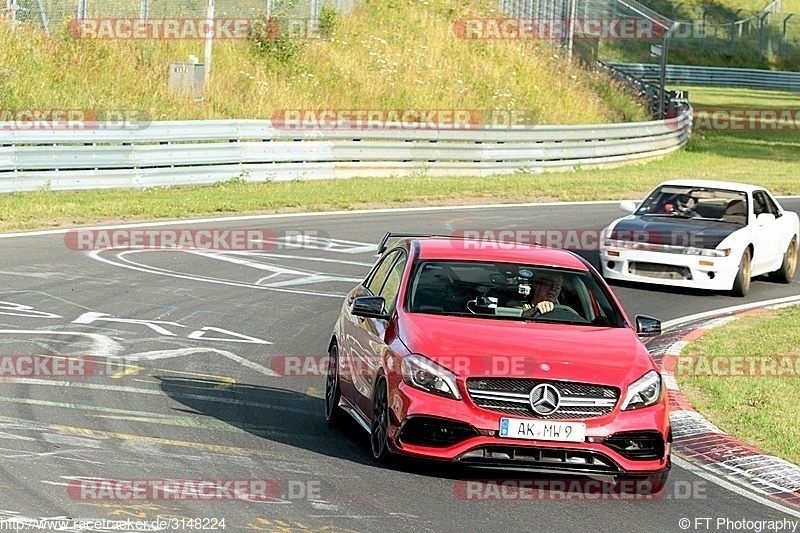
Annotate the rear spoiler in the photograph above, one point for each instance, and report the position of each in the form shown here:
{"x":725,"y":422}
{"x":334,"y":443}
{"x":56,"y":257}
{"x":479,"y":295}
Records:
{"x":399,"y":235}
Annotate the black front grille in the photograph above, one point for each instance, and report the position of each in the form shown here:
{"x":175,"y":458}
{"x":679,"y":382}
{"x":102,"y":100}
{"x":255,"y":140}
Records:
{"x":512,"y":397}
{"x":658,"y":270}
{"x":430,"y":431}
{"x":637,"y":444}
{"x":546,"y":459}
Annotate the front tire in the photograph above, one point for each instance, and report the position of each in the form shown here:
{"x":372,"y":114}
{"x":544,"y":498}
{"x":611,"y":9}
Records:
{"x":786,"y":272}
{"x":741,"y":285}
{"x":333,"y":392}
{"x":379,"y":430}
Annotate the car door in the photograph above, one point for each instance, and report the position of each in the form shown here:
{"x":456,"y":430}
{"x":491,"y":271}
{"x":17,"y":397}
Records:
{"x":369,"y":333}
{"x":767,"y":233}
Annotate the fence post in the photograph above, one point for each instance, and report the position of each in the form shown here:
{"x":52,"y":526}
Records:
{"x":761,"y":35}
{"x":144,"y":10}
{"x":703,"y":31}
{"x":783,"y":38}
{"x":733,"y":30}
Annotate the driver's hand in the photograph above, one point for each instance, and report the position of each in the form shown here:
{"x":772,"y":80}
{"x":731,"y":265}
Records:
{"x":545,"y":307}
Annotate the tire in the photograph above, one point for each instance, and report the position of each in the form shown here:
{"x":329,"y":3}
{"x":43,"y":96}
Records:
{"x":787,"y":270}
{"x":379,"y":429}
{"x":333,"y":392}
{"x":741,"y":285}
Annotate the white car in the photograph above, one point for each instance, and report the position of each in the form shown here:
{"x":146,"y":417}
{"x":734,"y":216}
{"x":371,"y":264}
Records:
{"x":704,"y":234}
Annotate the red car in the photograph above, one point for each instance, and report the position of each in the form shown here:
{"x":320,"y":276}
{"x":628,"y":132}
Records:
{"x":443,"y":352}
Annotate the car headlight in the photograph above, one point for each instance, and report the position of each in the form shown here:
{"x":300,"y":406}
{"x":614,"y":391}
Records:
{"x":691,"y":250}
{"x":644,"y":392}
{"x":424,"y":374}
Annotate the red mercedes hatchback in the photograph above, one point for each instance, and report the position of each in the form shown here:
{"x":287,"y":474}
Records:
{"x":497,"y":354}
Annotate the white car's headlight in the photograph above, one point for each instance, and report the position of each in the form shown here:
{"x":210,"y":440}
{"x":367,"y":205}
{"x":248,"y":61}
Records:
{"x":691,"y":250}
{"x":424,"y":374}
{"x":644,"y":392}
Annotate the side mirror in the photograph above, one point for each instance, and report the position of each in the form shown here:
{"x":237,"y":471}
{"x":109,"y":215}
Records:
{"x":647,"y":326}
{"x":628,"y":206}
{"x":370,"y":307}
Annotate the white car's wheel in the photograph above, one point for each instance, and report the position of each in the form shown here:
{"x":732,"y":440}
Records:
{"x":786,"y":272}
{"x":741,"y":285}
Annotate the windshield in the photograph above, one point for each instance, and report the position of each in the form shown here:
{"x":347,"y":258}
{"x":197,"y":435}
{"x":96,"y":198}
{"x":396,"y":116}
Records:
{"x":696,"y":202}
{"x":510,"y":291}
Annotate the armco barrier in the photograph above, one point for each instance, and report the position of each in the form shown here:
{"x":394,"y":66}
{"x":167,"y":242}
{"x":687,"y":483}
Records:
{"x":715,"y":76}
{"x":205,"y":152}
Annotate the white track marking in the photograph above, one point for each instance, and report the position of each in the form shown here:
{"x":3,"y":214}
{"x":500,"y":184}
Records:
{"x":672,"y":324}
{"x":738,"y":489}
{"x":232,"y":336}
{"x":153,"y":270}
{"x":14,"y":309}
{"x":179,"y":352}
{"x":102,"y":345}
{"x":304,"y":276}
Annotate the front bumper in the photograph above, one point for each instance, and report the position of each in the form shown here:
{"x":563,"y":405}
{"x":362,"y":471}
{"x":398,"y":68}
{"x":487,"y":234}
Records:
{"x":433,"y":427}
{"x":677,"y":270}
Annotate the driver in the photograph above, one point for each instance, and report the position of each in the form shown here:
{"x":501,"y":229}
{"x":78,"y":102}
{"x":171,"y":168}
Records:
{"x":545,"y":296}
{"x":683,"y":205}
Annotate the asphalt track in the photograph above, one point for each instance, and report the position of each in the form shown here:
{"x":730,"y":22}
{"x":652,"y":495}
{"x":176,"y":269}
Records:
{"x":187,"y":345}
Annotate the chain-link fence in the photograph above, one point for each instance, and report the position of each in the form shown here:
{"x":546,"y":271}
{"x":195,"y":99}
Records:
{"x":48,"y":14}
{"x":711,"y":35}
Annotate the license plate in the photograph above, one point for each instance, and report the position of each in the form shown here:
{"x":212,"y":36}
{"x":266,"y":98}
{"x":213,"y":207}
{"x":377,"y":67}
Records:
{"x":520,"y":428}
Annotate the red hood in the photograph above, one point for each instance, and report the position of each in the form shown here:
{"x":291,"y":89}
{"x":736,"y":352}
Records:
{"x":590,"y":354}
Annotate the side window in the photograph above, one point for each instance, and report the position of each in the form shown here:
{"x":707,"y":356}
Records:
{"x":759,"y":204}
{"x":392,"y":286}
{"x":375,"y":283}
{"x":771,"y":206}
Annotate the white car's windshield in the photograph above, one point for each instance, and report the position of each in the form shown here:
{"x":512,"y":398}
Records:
{"x":696,"y":202}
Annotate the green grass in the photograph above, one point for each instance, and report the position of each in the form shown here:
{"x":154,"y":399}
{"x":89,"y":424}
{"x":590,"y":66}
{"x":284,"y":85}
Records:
{"x":387,"y":54}
{"x":762,"y":411}
{"x":768,"y":158}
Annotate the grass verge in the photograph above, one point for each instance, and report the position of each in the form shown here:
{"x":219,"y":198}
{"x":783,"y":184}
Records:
{"x":762,"y":411}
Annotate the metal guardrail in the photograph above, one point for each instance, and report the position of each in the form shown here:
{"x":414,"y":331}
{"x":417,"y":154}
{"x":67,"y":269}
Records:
{"x":206,"y":152}
{"x":716,"y":76}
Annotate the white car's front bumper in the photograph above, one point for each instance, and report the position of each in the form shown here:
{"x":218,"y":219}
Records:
{"x":674,"y":269}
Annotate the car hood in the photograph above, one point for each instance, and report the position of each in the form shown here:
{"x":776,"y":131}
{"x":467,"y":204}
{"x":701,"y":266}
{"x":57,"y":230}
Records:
{"x":473,"y":347}
{"x":673,"y":231}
